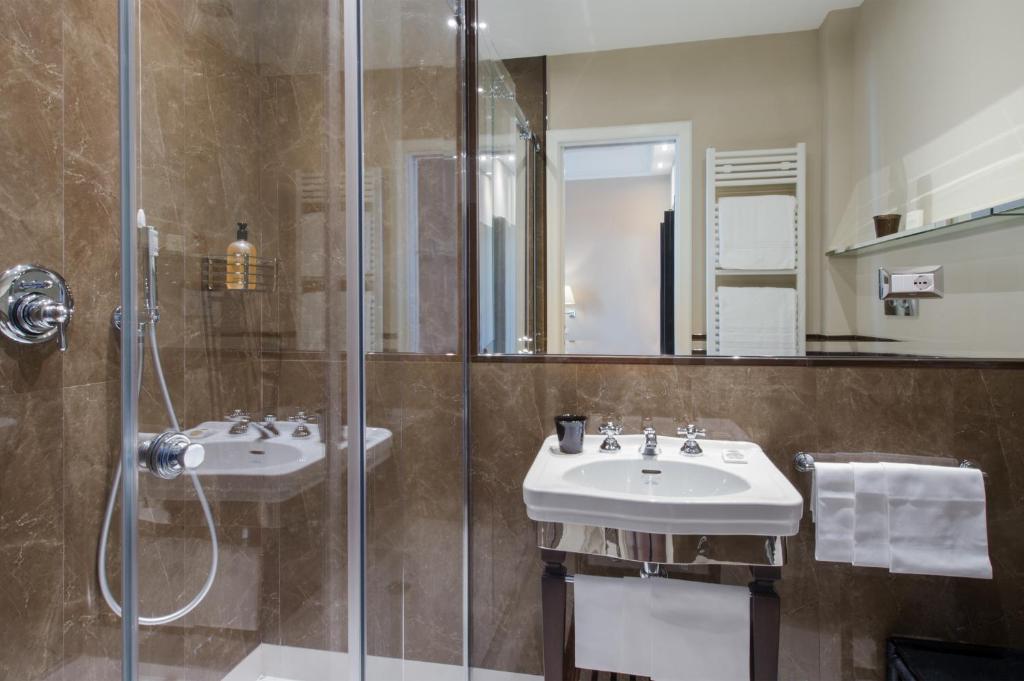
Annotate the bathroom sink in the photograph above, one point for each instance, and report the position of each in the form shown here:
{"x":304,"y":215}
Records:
{"x":246,"y":454}
{"x":671,"y":493}
{"x":243,"y":468}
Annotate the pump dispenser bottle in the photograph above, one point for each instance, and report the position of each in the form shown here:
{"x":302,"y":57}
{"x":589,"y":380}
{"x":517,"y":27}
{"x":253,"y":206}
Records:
{"x":240,"y":273}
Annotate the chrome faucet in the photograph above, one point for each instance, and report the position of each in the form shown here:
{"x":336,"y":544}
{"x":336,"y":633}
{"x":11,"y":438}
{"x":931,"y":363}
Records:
{"x":691,"y":432}
{"x":268,"y":424}
{"x":650,"y":446}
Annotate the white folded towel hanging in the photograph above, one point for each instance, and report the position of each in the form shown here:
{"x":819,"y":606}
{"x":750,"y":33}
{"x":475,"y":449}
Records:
{"x":611,"y":629}
{"x":667,"y":629}
{"x":937,"y":521}
{"x":757,"y":232}
{"x":755,"y":320}
{"x":701,"y":631}
{"x":871,"y":515}
{"x":833,"y":512}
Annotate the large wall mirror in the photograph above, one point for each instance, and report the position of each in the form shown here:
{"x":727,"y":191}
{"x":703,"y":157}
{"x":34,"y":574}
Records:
{"x":745,"y":178}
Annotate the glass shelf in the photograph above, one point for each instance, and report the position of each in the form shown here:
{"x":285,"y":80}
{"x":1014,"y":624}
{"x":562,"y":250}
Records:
{"x":976,"y":220}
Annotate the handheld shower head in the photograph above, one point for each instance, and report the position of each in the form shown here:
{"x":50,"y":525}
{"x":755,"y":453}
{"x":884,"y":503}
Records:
{"x":152,"y":252}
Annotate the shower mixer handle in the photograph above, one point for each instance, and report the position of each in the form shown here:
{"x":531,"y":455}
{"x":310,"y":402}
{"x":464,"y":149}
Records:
{"x":170,"y":454}
{"x":35,"y":305}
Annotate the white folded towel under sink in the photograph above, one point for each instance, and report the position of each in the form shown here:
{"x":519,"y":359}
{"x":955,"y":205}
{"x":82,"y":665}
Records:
{"x":667,"y":629}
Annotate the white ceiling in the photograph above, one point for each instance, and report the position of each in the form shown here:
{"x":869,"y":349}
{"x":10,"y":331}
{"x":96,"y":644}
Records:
{"x":529,"y":28}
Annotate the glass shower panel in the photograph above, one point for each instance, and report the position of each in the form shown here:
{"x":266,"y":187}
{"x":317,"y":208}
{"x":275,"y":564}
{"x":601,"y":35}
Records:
{"x":504,"y":233}
{"x":240,"y":141}
{"x":414,"y":362}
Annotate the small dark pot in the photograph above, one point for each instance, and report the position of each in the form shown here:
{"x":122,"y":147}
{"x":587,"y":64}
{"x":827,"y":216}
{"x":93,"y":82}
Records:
{"x":887,"y":224}
{"x":570,"y":429}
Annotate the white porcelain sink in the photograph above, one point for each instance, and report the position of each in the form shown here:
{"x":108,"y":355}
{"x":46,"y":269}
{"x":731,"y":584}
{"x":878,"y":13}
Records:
{"x":671,"y":493}
{"x":246,"y":454}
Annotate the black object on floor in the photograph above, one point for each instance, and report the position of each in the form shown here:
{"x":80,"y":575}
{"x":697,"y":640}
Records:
{"x":915,"y":659}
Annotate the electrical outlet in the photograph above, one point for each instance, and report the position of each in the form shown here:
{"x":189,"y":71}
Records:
{"x":910,"y":282}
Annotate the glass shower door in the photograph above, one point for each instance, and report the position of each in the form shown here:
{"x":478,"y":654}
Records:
{"x":242,"y":560}
{"x":311,"y":345}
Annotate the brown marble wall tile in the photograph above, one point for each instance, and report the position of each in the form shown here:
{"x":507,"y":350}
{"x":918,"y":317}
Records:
{"x":835,"y":617}
{"x":31,"y":534}
{"x":91,"y":189}
{"x":511,"y":414}
{"x":32,"y":154}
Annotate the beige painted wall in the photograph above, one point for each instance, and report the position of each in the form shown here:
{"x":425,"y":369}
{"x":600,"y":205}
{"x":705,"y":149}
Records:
{"x":742,"y":93}
{"x":935,"y":129}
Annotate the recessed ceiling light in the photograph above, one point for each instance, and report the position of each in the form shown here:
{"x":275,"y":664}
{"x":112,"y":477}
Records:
{"x":452,"y":23}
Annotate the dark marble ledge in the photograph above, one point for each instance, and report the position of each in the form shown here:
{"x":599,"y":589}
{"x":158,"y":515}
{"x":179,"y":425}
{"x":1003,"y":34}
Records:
{"x":821,"y":360}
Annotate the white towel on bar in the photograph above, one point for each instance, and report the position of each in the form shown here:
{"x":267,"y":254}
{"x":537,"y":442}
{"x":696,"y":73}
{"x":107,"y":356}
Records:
{"x":937,"y":523}
{"x":755,"y":320}
{"x":757,"y":232}
{"x":833,"y":500}
{"x":668,"y":629}
{"x":871,"y":515}
{"x":612,"y":632}
{"x":700,"y":631}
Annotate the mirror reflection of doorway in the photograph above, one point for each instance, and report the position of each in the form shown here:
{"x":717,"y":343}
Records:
{"x":615,"y":198}
{"x":618,"y":240}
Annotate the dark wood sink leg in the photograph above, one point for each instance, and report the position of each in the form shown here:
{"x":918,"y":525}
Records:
{"x":553,"y":598}
{"x":765,"y":622}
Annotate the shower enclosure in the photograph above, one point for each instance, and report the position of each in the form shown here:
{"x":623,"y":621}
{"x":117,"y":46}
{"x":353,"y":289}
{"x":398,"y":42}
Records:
{"x":260,"y":459}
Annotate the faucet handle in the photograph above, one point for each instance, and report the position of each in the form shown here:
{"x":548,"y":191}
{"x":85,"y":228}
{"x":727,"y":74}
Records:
{"x":691,"y":432}
{"x":610,"y":426}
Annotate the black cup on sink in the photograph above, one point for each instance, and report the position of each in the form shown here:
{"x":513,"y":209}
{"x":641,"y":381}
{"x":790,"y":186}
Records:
{"x":570,"y":429}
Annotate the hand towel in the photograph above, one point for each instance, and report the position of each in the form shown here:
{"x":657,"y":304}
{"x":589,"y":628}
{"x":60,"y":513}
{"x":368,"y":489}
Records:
{"x":612,"y":618}
{"x":937,"y":523}
{"x":756,"y":321}
{"x":833,"y":512}
{"x":871,"y":515}
{"x":757,"y":232}
{"x":700,"y":631}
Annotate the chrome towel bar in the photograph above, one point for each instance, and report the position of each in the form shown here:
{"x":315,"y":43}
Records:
{"x":803,"y":462}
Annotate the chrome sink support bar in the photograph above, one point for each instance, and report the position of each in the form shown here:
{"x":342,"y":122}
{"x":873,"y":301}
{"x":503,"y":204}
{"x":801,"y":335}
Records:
{"x":663,"y":549}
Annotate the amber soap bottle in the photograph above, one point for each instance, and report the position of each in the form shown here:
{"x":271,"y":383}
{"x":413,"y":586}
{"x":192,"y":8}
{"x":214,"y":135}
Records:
{"x":241,"y":273}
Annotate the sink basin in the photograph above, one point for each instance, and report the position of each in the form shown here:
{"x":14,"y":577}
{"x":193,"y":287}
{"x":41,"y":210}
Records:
{"x":671,"y":493}
{"x":246,"y":455}
{"x":655,"y":479}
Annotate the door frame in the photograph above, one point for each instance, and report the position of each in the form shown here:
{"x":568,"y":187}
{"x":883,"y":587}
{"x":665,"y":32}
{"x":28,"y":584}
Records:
{"x":681,"y":132}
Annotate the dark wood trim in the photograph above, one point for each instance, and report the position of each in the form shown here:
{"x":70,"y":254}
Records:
{"x":765,"y":624}
{"x":553,"y":600}
{"x":883,"y":361}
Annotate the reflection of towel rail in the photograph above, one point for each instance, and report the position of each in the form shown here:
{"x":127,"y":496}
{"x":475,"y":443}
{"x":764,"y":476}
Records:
{"x":754,"y":172}
{"x":803,"y":462}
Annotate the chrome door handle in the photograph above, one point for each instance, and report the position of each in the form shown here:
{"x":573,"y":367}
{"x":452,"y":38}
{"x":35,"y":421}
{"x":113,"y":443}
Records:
{"x":35,"y":305}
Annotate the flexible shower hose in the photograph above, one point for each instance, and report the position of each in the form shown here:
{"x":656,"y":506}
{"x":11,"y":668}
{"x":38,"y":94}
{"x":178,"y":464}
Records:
{"x":105,"y":531}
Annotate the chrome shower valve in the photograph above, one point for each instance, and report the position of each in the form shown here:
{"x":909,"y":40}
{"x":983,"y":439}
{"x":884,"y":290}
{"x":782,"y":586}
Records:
{"x":35,"y":305}
{"x":170,"y":454}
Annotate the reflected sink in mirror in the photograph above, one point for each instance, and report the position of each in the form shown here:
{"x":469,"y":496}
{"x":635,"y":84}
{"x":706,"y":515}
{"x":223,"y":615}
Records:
{"x":243,"y":468}
{"x":732,"y":488}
